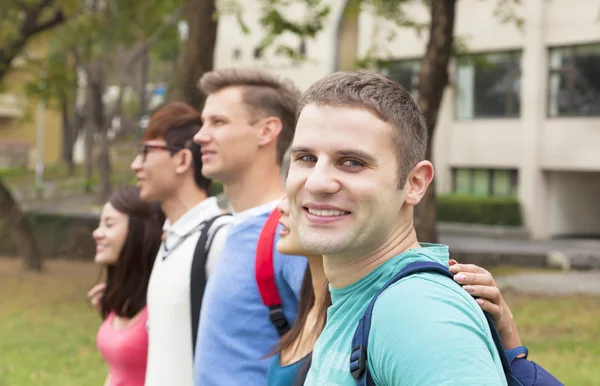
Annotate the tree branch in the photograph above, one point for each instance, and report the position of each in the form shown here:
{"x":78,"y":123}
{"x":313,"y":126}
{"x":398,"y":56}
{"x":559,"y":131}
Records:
{"x":55,"y":20}
{"x":29,"y":27}
{"x":168,"y":22}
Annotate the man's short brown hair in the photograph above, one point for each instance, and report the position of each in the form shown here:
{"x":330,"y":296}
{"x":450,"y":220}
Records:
{"x":387,"y":99}
{"x":264,"y":93}
{"x":177,"y":123}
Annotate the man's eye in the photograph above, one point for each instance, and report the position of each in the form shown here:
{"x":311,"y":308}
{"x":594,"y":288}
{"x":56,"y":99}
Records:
{"x":352,"y":163}
{"x":306,"y":158}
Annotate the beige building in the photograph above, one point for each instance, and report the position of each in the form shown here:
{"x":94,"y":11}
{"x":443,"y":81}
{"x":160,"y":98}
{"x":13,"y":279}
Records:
{"x":20,"y":116}
{"x":522,"y":114}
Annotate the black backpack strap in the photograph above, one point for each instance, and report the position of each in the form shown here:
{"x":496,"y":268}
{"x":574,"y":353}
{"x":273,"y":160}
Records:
{"x":198,"y":272}
{"x":360,"y":341}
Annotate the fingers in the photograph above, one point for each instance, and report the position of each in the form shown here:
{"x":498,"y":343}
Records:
{"x":456,"y":268}
{"x":96,"y":290}
{"x":95,"y":294}
{"x":481,"y":279}
{"x":489,"y":294}
{"x":494,"y":310}
{"x":452,"y":262}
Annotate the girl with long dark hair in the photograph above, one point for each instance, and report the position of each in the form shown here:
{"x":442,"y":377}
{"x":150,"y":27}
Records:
{"x":127,"y":241}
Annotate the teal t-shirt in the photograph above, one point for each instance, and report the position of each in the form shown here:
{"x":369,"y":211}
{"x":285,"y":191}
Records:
{"x":426,"y":330}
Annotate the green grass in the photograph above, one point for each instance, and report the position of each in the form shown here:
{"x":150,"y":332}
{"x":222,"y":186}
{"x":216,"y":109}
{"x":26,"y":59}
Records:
{"x":562,"y":334}
{"x":47,"y":331}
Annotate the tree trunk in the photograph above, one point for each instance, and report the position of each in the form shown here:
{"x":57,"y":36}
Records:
{"x":95,"y":87}
{"x":198,"y":53}
{"x":144,"y":67}
{"x":433,"y":79}
{"x":20,"y":230}
{"x":89,"y":129}
{"x":69,"y":135}
{"x":30,"y":24}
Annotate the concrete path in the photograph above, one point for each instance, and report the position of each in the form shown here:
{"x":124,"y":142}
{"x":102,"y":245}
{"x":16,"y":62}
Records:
{"x":519,"y":246}
{"x":554,"y":283}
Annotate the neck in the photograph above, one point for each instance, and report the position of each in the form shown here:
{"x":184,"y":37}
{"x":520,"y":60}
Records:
{"x":182,"y":200}
{"x":254,"y":187}
{"x":342,"y":270}
{"x":319,"y":281}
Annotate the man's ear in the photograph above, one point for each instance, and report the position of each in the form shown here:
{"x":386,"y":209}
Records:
{"x":418,"y":181}
{"x":269,"y":131}
{"x":184,"y":160}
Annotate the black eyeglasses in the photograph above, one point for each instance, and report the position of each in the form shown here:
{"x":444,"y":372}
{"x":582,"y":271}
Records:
{"x":143,"y":151}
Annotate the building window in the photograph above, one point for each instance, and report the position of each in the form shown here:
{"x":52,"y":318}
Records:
{"x":405,"y":72}
{"x":574,"y":88}
{"x":489,"y":85}
{"x":484,"y":182}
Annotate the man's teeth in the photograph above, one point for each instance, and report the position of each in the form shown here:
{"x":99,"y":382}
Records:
{"x":326,"y":213}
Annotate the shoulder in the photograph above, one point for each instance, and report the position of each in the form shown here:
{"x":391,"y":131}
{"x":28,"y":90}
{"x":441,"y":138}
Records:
{"x":426,"y":298}
{"x":426,"y":322}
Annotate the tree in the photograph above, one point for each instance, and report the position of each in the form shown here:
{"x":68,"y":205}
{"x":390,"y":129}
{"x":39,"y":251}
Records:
{"x":32,"y":19}
{"x":109,"y":38}
{"x":433,"y":79}
{"x":198,"y":52}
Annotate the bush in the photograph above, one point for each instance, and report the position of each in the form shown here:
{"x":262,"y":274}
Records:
{"x":479,"y":210}
{"x":215,"y":188}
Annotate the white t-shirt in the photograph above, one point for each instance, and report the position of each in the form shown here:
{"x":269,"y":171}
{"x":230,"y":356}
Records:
{"x":170,"y":358}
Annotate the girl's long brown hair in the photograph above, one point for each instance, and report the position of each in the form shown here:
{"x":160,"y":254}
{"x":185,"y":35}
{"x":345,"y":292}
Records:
{"x":127,"y":280}
{"x":307,"y":301}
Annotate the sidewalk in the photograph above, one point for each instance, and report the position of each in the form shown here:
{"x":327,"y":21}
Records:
{"x":554,"y":283}
{"x":490,"y":251}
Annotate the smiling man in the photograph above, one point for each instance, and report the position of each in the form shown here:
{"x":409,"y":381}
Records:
{"x":357,"y":172}
{"x":168,"y":170}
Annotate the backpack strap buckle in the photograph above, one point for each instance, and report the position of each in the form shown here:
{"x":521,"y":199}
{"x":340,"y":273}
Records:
{"x":278,"y":319}
{"x":358,"y":359}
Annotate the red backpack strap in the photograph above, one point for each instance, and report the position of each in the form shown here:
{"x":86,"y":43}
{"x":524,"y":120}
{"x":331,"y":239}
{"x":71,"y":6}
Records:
{"x":265,"y":274}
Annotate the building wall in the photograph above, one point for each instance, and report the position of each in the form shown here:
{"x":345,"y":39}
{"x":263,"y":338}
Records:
{"x":573,"y":203}
{"x":320,"y":51}
{"x":22,"y":127}
{"x":532,"y":143}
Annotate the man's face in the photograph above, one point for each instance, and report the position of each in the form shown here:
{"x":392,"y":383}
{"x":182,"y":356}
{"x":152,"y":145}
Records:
{"x":343,"y":181}
{"x":155,"y":170}
{"x":229,"y":136}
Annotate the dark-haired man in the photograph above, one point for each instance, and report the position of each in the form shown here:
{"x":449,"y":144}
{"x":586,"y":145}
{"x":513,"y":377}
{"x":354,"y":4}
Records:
{"x":168,"y":169}
{"x":358,"y":169}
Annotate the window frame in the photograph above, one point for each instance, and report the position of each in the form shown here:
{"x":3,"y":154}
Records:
{"x":512,"y":73}
{"x":569,"y":69}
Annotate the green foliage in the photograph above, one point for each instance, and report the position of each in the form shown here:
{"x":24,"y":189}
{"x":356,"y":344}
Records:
{"x":479,"y":210}
{"x":507,"y":12}
{"x":215,"y":188}
{"x":277,"y":21}
{"x":91,"y":33}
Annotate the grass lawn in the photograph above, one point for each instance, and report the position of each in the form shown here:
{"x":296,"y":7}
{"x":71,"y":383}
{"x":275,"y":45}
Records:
{"x":47,"y":332}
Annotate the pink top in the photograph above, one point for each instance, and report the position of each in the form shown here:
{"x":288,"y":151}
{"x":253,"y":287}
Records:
{"x":125,"y":350}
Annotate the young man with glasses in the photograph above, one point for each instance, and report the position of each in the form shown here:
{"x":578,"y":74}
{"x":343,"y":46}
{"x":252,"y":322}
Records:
{"x":168,"y":170}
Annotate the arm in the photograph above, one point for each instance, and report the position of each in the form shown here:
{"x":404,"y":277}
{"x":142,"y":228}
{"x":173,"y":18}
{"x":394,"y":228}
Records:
{"x":107,"y":380}
{"x":427,"y":333}
{"x":479,"y":282}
